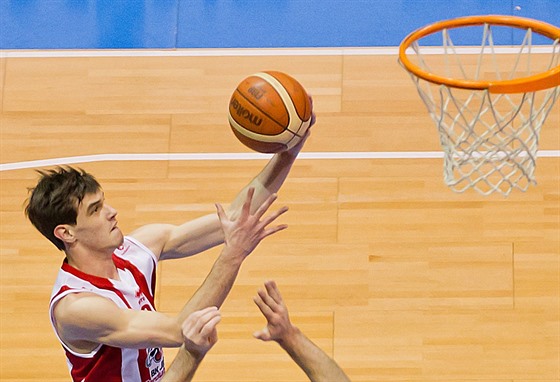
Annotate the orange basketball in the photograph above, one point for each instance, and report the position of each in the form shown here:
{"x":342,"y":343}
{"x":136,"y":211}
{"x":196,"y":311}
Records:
{"x":270,"y":112}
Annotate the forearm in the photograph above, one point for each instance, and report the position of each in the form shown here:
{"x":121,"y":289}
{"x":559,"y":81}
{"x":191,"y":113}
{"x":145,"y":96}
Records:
{"x":217,"y":284}
{"x":183,"y":367}
{"x":316,"y":364}
{"x":269,"y":180}
{"x":275,"y":172}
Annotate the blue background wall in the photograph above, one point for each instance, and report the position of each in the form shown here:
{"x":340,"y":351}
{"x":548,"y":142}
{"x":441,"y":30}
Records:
{"x":169,"y":24}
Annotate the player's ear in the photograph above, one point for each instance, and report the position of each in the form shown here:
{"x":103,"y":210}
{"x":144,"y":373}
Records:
{"x":65,"y":233}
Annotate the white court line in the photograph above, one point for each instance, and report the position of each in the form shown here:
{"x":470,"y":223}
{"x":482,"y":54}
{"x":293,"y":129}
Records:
{"x":237,"y":52}
{"x":234,"y":156}
{"x":226,"y":52}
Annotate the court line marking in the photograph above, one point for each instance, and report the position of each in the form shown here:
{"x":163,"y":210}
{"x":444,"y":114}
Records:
{"x":233,"y":156}
{"x":225,"y":52}
{"x":238,"y":52}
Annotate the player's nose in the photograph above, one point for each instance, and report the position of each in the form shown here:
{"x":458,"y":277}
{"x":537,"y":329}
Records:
{"x":112,"y":213}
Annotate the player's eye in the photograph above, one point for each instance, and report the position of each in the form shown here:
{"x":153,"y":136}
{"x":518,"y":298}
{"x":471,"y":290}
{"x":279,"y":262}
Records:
{"x":97,"y":208}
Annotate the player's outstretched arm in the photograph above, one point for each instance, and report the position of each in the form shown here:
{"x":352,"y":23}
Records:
{"x":318,"y":366}
{"x":199,"y":334}
{"x":169,"y":241}
{"x":271,"y":178}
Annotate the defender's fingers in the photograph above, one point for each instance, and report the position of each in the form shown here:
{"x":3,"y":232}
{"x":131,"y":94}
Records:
{"x":263,"y":335}
{"x":269,"y":301}
{"x":273,"y":291}
{"x":263,"y":306}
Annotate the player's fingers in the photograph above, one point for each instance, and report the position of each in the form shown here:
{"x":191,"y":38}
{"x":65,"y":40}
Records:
{"x":270,"y":302}
{"x":195,"y":316}
{"x":196,"y":319}
{"x":273,"y":216}
{"x":265,"y":309}
{"x":272,"y":230}
{"x":204,"y":311}
{"x":210,"y":326}
{"x":246,"y":209}
{"x":263,"y":335}
{"x":265,"y":205}
{"x":221,"y":213}
{"x":273,"y":291}
{"x":265,"y":222}
{"x":207,"y":314}
{"x":209,"y":309}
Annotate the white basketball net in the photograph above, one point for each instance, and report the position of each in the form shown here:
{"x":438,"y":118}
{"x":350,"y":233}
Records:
{"x":490,"y":141}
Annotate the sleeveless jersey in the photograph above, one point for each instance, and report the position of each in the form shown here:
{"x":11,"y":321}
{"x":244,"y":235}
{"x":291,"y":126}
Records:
{"x":135,"y":288}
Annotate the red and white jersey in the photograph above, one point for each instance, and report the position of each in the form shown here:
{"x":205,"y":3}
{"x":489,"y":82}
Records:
{"x":136,"y":266}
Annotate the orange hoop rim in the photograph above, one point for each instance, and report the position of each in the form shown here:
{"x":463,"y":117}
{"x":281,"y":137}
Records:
{"x":545,"y":80}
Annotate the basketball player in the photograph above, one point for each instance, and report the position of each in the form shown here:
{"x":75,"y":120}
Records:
{"x":200,"y":335}
{"x":102,"y":307}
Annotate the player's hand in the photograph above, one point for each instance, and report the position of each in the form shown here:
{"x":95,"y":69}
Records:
{"x":313,"y":116}
{"x":199,"y":331}
{"x":272,"y":306}
{"x":244,"y":232}
{"x":297,"y":148}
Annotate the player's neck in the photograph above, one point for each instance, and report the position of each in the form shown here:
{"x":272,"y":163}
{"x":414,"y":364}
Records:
{"x":96,"y":264}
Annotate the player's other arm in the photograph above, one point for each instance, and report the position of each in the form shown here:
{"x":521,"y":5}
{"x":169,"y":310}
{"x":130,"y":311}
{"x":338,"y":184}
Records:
{"x":84,"y":320}
{"x":318,"y":366}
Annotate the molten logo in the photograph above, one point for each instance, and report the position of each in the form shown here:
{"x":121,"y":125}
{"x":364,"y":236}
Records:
{"x":244,"y":113}
{"x":256,"y":92}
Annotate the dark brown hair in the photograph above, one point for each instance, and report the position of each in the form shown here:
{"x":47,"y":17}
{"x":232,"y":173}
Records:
{"x":56,"y":197}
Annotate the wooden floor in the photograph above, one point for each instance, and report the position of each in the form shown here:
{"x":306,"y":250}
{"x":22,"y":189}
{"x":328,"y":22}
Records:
{"x":396,"y":276}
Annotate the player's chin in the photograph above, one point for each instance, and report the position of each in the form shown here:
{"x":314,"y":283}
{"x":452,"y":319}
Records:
{"x":119,"y":236}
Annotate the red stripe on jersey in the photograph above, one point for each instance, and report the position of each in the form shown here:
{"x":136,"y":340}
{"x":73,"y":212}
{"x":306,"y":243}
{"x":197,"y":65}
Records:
{"x":138,"y":277}
{"x":104,"y":366}
{"x":99,"y":282}
{"x":60,"y":291}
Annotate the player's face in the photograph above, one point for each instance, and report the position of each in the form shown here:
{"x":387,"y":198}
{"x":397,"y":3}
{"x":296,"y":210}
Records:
{"x":96,"y":225}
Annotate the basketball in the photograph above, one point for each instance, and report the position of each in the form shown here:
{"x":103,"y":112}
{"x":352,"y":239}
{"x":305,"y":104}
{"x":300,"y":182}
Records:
{"x":270,"y":112}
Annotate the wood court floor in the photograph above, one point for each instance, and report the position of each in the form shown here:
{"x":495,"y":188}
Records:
{"x":393,"y":274}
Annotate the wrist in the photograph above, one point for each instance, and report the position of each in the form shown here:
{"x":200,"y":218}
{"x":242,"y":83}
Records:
{"x":290,"y":339}
{"x":196,"y":356}
{"x":233,"y":255}
{"x":288,"y":156}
